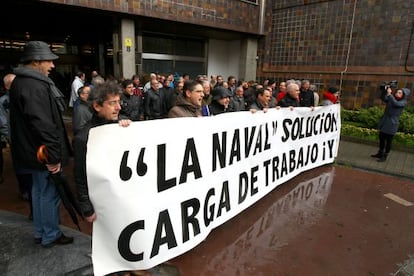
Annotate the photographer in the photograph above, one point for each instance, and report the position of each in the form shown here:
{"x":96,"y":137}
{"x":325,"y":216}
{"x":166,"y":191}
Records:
{"x":388,"y":125}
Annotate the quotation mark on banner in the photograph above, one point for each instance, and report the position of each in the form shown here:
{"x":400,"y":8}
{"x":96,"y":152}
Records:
{"x":125,"y":172}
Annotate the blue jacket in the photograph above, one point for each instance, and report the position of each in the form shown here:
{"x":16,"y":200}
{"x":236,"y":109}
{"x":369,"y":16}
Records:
{"x":4,"y":116}
{"x":393,"y":109}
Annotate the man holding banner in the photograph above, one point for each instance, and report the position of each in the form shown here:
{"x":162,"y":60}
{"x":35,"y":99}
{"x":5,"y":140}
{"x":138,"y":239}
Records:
{"x":106,"y":104}
{"x":189,"y":102}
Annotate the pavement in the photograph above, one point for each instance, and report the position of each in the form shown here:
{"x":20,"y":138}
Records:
{"x":20,"y":256}
{"x":356,"y":154}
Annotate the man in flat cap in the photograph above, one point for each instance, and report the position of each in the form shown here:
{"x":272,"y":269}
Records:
{"x":36,"y":107}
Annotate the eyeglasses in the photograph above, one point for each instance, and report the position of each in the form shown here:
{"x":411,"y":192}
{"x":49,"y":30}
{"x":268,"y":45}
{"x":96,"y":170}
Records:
{"x":113,"y":103}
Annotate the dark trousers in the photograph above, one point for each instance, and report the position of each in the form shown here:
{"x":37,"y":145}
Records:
{"x":24,"y":179}
{"x":385,"y":141}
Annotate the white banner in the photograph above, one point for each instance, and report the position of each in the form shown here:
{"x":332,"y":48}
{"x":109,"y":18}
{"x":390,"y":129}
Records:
{"x":159,"y":187}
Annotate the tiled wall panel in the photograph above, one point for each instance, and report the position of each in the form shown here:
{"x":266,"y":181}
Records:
{"x":348,"y":43}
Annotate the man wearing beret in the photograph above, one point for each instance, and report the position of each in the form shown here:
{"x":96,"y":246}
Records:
{"x":36,"y":107}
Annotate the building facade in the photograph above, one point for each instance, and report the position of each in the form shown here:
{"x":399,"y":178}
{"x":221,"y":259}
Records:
{"x":354,"y":45}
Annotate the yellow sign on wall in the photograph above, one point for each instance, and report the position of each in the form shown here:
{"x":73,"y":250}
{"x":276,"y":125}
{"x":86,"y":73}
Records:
{"x":128,"y":42}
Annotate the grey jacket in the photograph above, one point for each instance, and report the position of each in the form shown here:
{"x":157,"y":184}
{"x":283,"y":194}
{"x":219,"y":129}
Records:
{"x":390,"y":120}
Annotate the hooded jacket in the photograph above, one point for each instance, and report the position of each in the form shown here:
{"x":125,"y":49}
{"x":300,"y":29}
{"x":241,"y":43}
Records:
{"x":184,"y":108}
{"x":390,"y":120}
{"x":216,"y":108}
{"x":36,"y":119}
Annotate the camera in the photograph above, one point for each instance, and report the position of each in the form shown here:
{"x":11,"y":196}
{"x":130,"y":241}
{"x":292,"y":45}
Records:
{"x":392,"y":84}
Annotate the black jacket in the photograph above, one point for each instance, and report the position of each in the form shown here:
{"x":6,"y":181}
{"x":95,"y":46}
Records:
{"x":288,"y":101}
{"x":307,"y":98}
{"x":216,"y":108}
{"x":80,"y":142}
{"x":155,"y":104}
{"x":35,"y":119}
{"x":132,"y":107}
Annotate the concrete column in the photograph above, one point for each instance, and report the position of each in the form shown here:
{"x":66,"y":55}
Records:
{"x":138,"y":58}
{"x":117,"y":55}
{"x":101,"y":56}
{"x":248,"y":59}
{"x":127,"y":48}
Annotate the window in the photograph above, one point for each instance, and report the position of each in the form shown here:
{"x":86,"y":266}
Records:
{"x":250,"y":1}
{"x":166,"y":54}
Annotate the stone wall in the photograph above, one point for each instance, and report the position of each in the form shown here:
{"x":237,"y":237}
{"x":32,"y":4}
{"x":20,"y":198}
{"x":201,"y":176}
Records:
{"x":234,"y":15}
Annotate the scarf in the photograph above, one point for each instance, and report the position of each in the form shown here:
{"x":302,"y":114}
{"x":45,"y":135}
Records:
{"x":55,"y":92}
{"x":331,"y":97}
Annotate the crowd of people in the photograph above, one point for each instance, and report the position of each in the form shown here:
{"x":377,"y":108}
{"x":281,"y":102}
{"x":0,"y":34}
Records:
{"x":164,"y":96}
{"x":35,"y":120}
{"x":31,"y":119}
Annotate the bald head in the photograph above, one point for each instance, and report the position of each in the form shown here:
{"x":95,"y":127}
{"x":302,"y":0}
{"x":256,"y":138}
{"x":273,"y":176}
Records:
{"x":8,"y":79}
